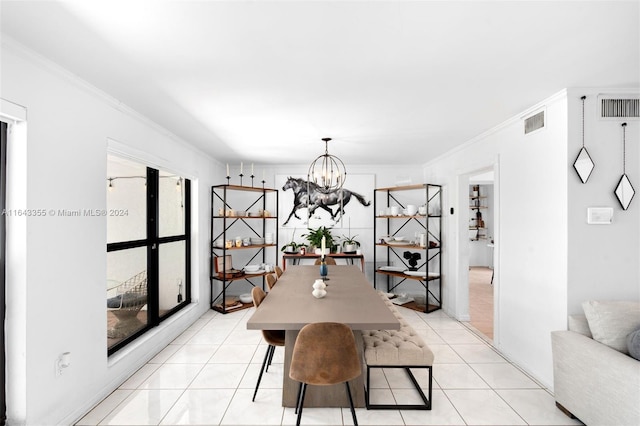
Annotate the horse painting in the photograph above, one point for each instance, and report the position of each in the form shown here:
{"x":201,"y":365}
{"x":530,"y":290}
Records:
{"x":311,"y":195}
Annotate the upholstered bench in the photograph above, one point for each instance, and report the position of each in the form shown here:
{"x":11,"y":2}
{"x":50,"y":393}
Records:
{"x":402,"y":348}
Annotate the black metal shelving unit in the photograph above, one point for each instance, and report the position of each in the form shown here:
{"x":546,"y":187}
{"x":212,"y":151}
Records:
{"x":393,"y":225}
{"x":222,"y":222}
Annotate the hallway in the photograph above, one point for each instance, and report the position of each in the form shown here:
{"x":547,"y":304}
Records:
{"x":481,"y":300}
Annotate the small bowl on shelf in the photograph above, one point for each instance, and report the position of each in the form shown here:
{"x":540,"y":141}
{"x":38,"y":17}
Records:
{"x":251,"y":268}
{"x":246,"y":298}
{"x":399,"y":238}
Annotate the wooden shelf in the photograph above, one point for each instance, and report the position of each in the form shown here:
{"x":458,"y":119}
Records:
{"x":245,"y":188}
{"x":253,"y":224}
{"x":253,"y":246}
{"x":410,"y":277}
{"x":429,"y":225}
{"x":240,"y":277}
{"x":402,"y":216}
{"x":245,"y":217}
{"x":414,"y":246}
{"x":403,"y":188}
{"x":218,"y":307}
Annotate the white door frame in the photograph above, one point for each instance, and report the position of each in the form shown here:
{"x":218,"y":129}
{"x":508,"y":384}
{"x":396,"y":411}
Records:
{"x":462,"y":256}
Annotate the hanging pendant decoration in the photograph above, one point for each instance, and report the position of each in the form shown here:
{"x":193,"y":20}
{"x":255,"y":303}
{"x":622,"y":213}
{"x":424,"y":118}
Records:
{"x":583,"y":164}
{"x":624,"y":191}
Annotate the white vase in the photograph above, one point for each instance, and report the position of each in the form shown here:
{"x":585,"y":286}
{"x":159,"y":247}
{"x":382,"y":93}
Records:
{"x":319,"y":285}
{"x":318,"y":293}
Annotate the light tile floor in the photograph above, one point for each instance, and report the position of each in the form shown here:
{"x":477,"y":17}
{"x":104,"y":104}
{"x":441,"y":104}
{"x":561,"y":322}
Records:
{"x":208,"y":374}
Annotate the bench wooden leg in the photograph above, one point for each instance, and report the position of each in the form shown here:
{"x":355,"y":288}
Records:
{"x":425,"y":399}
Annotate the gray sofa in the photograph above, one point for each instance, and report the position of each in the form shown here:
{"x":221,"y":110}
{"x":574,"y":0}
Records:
{"x":593,"y":381}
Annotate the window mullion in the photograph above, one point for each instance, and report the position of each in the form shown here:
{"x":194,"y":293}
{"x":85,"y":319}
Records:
{"x":152,"y":248}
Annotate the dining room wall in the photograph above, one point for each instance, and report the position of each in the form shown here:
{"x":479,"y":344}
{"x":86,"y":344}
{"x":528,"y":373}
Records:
{"x":57,"y":265}
{"x":531,"y":210}
{"x":548,"y":260}
{"x":383,"y":176}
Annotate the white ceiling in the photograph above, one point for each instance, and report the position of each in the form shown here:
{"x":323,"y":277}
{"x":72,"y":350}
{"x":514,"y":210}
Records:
{"x":392,"y":82}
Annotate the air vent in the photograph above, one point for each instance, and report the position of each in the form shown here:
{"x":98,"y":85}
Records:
{"x":625,"y":107}
{"x":533,"y":123}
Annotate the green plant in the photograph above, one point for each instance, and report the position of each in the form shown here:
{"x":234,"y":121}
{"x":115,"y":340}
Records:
{"x":350,"y":241}
{"x":292,"y":243}
{"x":314,"y":236}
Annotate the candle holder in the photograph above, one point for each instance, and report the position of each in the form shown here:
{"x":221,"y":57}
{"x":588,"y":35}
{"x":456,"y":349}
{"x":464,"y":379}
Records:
{"x":263,"y":182}
{"x":241,"y":175}
{"x":252,"y":176}
{"x":228,"y":179}
{"x":324,"y":269}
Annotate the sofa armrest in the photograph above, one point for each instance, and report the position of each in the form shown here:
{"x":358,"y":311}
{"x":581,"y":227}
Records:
{"x":596,"y":383}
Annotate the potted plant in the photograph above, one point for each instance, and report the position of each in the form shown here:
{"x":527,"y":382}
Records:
{"x":350,"y":244}
{"x":314,"y":236}
{"x":291,"y":247}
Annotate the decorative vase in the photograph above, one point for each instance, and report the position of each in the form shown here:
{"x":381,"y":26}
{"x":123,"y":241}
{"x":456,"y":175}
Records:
{"x":318,"y":293}
{"x":323,"y":268}
{"x":319,"y":285}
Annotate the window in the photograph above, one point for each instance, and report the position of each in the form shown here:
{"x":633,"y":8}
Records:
{"x":148,"y":248}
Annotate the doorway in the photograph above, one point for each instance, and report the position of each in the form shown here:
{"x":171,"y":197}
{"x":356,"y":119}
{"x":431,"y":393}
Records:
{"x":481,"y":252}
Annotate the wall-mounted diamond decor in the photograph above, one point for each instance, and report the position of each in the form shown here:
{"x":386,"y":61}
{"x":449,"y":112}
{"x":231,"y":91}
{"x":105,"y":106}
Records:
{"x":624,"y":191}
{"x":583,"y":164}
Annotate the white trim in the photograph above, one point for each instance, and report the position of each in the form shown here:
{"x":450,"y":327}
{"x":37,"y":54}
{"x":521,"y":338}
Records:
{"x":77,"y":81}
{"x":12,"y":111}
{"x":127,"y":151}
{"x":504,"y":124}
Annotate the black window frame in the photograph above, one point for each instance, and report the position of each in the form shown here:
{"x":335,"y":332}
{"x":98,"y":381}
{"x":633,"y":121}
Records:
{"x":152,"y":242}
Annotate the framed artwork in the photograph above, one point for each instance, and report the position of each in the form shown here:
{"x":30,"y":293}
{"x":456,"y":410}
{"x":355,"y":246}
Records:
{"x":303,"y":207}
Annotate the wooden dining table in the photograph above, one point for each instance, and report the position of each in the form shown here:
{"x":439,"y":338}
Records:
{"x":350,"y":300}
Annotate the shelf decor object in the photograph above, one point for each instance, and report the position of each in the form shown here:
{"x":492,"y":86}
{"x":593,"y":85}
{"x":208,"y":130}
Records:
{"x":583,"y":164}
{"x":624,"y":190}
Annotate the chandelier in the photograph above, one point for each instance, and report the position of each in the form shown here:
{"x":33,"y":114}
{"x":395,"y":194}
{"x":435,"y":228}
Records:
{"x":327,"y":171}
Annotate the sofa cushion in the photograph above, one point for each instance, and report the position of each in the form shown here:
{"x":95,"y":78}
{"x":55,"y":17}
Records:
{"x":611,"y":322}
{"x":633,"y":344}
{"x":579,"y":324}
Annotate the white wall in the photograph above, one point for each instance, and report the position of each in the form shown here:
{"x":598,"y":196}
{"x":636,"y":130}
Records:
{"x":603,"y":259}
{"x":548,"y":259}
{"x":384,"y":176}
{"x":58,"y":264}
{"x":531,"y":237}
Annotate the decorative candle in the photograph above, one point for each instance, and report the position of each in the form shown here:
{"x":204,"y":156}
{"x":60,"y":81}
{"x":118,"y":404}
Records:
{"x":251,"y":169}
{"x":228,"y":169}
{"x":324,"y":242}
{"x":241,"y":167}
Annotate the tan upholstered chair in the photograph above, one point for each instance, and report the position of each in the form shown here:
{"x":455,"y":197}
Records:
{"x":324,"y":354}
{"x":278,"y":271}
{"x":328,"y":261}
{"x":272,"y":337}
{"x":271,"y":280}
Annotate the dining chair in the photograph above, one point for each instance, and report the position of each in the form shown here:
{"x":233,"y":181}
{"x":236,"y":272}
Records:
{"x":328,"y":261}
{"x":272,"y":337}
{"x":271,"y":280}
{"x":324,"y":354}
{"x":278,"y":271}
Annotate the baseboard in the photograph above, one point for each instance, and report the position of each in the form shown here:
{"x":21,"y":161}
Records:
{"x":565,"y":411}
